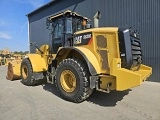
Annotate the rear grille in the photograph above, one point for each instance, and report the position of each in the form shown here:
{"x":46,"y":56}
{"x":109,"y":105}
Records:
{"x":104,"y":58}
{"x":101,"y":41}
{"x":102,"y":50}
{"x":130,"y":49}
{"x":136,"y":51}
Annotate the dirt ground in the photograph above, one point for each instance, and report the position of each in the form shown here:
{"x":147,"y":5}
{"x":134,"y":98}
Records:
{"x":42,"y":102}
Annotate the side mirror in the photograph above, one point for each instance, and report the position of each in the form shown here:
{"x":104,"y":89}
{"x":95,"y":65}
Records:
{"x":48,"y":23}
{"x":31,"y":44}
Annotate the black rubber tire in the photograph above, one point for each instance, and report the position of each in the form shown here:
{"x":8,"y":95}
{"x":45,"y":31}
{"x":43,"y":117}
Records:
{"x":29,"y":80}
{"x":80,"y":70}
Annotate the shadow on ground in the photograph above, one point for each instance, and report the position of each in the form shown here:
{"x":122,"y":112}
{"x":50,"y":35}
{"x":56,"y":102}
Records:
{"x":99,"y":98}
{"x":51,"y":88}
{"x":107,"y":99}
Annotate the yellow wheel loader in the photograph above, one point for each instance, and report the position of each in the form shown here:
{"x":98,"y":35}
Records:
{"x":81,"y":58}
{"x":4,"y":59}
{"x":0,"y":60}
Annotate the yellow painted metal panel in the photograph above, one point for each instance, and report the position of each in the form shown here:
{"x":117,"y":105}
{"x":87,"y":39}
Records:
{"x":100,"y":30}
{"x":126,"y":79}
{"x":38,"y":63}
{"x":144,"y":71}
{"x":91,"y":58}
{"x":105,"y":80}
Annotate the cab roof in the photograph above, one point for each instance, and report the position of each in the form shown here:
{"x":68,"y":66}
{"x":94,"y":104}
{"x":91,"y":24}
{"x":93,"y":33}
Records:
{"x":67,"y":13}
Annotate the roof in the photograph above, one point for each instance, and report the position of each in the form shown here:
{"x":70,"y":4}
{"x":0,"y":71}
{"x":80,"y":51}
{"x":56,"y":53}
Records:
{"x":67,"y":13}
{"x":42,"y":7}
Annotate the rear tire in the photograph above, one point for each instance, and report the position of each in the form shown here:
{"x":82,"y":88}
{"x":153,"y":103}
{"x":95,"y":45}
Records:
{"x":27,"y":73}
{"x":72,"y":80}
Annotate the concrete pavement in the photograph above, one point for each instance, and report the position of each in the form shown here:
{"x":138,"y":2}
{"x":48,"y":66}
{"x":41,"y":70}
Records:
{"x":42,"y":102}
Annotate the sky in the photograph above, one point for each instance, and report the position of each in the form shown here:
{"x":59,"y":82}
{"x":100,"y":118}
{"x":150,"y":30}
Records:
{"x":14,"y":23}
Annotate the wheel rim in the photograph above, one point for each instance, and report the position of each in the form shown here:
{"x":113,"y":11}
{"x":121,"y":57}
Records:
{"x":24,"y":72}
{"x":68,"y":81}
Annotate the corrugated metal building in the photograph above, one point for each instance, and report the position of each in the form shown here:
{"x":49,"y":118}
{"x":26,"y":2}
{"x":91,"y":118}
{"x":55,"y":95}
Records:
{"x":141,"y":15}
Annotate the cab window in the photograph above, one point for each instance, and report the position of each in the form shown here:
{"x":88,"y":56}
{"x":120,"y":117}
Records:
{"x":58,"y":30}
{"x":69,"y":26}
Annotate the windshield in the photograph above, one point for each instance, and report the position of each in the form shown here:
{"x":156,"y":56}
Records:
{"x":69,"y":26}
{"x":73,"y":25}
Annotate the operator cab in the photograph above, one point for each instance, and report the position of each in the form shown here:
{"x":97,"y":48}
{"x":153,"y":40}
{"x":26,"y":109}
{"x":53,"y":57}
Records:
{"x":63,"y":26}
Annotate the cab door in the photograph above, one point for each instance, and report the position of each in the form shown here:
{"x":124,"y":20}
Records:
{"x":57,"y":36}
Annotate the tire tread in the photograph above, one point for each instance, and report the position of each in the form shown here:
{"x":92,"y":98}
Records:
{"x":84,"y":73}
{"x":30,"y":81}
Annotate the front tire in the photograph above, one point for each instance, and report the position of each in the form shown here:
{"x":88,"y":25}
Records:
{"x":72,"y":80}
{"x":27,"y":73}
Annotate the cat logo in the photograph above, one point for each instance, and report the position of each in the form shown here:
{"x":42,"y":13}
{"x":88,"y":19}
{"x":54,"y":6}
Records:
{"x":78,"y":40}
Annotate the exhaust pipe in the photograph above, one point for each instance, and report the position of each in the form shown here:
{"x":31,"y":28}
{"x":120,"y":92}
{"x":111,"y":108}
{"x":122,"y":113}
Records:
{"x":96,"y":19}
